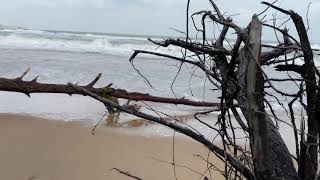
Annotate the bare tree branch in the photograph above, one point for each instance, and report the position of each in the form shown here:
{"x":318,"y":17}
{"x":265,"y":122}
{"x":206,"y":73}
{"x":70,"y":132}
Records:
{"x":184,"y":130}
{"x":127,"y":174}
{"x":28,"y":87}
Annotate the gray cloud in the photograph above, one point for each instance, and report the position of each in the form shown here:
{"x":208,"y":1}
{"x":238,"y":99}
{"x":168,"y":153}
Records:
{"x":132,"y":16}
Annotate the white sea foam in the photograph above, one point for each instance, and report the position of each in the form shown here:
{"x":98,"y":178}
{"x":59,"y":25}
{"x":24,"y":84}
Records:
{"x":79,"y":42}
{"x":67,"y":66}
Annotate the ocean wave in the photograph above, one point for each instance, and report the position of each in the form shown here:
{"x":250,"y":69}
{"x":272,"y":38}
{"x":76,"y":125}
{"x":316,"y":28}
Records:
{"x":68,"y":41}
{"x":22,"y":31}
{"x":113,"y":44}
{"x":78,"y":42}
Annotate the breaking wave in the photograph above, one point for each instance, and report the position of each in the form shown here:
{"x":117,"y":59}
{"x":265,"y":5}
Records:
{"x":79,"y":42}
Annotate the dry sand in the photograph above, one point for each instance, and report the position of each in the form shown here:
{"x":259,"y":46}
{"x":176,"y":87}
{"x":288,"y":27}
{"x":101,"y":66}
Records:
{"x":39,"y":149}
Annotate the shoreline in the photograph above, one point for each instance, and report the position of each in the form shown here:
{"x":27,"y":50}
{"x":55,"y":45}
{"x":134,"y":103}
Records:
{"x":41,"y":149}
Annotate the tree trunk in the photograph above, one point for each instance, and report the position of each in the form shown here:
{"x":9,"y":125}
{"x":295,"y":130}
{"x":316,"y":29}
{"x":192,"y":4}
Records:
{"x":271,"y":157}
{"x":309,"y":157}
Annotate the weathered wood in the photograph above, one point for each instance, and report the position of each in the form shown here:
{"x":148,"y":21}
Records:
{"x":238,"y":165}
{"x":193,"y":47}
{"x":240,"y":78}
{"x":309,"y":158}
{"x":28,"y":87}
{"x":271,"y":158}
{"x":256,"y":121}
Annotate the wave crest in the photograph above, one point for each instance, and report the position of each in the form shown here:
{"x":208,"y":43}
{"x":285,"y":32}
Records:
{"x":78,"y":42}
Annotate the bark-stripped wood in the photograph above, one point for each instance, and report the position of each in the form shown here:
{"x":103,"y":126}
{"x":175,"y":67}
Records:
{"x":269,"y":152}
{"x":28,"y":87}
{"x":308,"y":164}
{"x":176,"y":126}
{"x":237,"y":71}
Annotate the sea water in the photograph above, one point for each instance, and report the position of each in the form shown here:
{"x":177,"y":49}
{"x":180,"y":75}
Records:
{"x":62,"y":57}
{"x":77,"y":57}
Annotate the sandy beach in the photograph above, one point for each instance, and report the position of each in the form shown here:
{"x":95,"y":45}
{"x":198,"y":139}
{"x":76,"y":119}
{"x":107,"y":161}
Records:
{"x":38,"y":149}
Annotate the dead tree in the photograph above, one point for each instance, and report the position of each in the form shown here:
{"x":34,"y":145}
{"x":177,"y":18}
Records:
{"x":238,"y":72}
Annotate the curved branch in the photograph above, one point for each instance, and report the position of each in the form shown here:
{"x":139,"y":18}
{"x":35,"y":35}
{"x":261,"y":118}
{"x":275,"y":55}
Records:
{"x":198,"y":64}
{"x":193,"y":47}
{"x":277,"y":8}
{"x":181,"y":129}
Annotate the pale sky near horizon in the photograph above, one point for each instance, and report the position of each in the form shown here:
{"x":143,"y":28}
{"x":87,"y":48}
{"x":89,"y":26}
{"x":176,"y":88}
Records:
{"x":134,"y":16}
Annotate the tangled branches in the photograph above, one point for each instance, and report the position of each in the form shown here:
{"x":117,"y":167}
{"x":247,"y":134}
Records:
{"x":252,"y":77}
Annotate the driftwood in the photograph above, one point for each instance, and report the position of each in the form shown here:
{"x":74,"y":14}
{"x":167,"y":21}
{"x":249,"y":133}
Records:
{"x":242,"y":79}
{"x":127,"y":174}
{"x":238,"y":72}
{"x":28,"y":87}
{"x":269,"y":151}
{"x":179,"y":128}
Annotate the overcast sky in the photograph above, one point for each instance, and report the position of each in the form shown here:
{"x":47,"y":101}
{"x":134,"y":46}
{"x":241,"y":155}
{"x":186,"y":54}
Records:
{"x":133,"y":16}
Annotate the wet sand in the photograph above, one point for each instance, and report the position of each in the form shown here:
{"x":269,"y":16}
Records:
{"x":40,"y":149}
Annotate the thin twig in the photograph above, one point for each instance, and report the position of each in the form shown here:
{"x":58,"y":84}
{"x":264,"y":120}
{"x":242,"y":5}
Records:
{"x":127,"y":174}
